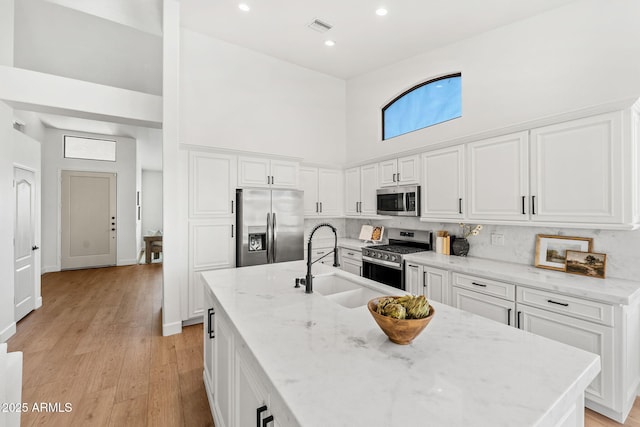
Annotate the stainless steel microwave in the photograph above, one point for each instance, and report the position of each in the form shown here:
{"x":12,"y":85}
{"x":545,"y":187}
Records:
{"x":399,"y":201}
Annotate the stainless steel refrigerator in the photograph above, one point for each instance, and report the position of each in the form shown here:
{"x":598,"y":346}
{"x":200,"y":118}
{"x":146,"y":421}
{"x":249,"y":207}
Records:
{"x":270,"y":226}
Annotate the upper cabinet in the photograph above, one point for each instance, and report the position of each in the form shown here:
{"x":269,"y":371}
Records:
{"x":212,"y":179}
{"x":267,"y":173}
{"x":323,"y":191}
{"x":443,"y":188}
{"x":577,"y":171}
{"x":498,"y":178}
{"x":401,"y":171}
{"x":360,"y":190}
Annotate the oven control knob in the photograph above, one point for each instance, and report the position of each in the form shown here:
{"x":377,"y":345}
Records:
{"x":386,"y":256}
{"x":394,"y":258}
{"x":379,"y":255}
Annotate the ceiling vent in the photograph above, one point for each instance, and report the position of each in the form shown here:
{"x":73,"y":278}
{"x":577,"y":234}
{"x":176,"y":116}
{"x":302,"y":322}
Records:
{"x":320,"y":26}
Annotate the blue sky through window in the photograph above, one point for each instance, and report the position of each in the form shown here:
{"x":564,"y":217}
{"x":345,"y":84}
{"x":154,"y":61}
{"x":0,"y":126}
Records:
{"x":427,"y":105}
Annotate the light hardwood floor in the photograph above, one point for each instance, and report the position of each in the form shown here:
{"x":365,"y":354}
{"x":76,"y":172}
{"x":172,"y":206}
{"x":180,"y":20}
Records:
{"x":97,"y":343}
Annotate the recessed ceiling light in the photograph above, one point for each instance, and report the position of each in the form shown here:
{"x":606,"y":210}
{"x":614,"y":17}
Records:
{"x":381,"y":12}
{"x":244,"y":7}
{"x":329,"y":43}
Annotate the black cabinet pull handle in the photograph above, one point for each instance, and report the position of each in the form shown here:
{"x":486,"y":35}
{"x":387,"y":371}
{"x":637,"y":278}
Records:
{"x":519,"y":319}
{"x":479,"y":284}
{"x":267,"y":420}
{"x":460,"y":205}
{"x":508,"y":317}
{"x":523,"y":212}
{"x":564,"y":304}
{"x":232,"y":206}
{"x":259,"y":412}
{"x":533,"y":205}
{"x":212,"y":333}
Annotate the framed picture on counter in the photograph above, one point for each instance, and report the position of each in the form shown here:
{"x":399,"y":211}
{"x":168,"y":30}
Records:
{"x":551,"y":250}
{"x":586,"y":264}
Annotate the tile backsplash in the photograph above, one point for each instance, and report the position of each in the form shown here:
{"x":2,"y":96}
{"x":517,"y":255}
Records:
{"x":622,"y":247}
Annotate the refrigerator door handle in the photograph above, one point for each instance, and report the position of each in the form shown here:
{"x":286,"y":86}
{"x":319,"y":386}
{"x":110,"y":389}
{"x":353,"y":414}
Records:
{"x":268,"y":237}
{"x":274,"y":233}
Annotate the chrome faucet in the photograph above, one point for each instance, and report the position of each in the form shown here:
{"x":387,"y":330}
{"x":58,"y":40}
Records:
{"x":308,"y":280}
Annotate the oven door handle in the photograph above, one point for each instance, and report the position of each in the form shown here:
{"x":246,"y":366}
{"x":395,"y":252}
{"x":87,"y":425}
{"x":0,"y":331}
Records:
{"x":382,"y":262}
{"x":406,"y":202}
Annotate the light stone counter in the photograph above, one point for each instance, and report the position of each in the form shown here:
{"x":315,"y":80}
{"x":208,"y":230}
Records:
{"x":333,"y":366}
{"x":614,"y":291}
{"x":343,"y":242}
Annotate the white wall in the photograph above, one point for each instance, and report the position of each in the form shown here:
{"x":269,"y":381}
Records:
{"x":151,"y":201}
{"x":6,"y":32}
{"x":53,"y":163}
{"x":577,"y":56}
{"x":57,"y":40}
{"x":232,"y":97}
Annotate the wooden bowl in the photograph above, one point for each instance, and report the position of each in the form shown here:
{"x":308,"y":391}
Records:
{"x":399,"y":331}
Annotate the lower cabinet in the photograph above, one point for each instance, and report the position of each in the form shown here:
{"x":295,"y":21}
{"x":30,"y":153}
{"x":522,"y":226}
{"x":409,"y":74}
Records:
{"x":351,"y":261}
{"x":428,"y":281}
{"x":483,"y":305}
{"x":238,"y":391}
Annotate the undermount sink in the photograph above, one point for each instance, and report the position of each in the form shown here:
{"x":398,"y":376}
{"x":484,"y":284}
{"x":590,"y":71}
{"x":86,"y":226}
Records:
{"x":333,"y":284}
{"x":343,"y":291}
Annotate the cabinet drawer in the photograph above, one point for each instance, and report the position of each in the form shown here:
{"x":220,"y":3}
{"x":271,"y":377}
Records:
{"x":351,"y":254}
{"x":576,"y":307}
{"x":485,"y":286}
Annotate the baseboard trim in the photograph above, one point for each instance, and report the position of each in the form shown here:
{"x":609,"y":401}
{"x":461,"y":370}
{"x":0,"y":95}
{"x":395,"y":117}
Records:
{"x":171,"y":328}
{"x":127,"y":262}
{"x":193,"y":321}
{"x":38,"y":302}
{"x":8,"y":332}
{"x":49,"y":269}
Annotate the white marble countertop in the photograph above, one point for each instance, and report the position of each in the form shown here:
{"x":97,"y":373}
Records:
{"x":333,"y":366}
{"x":614,"y":291}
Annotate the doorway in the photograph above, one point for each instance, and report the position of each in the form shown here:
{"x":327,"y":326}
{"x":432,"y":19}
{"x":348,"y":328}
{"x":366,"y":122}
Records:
{"x":88,"y":220}
{"x":24,"y":242}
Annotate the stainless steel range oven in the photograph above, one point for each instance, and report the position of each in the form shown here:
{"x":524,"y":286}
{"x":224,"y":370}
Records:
{"x":385,"y":263}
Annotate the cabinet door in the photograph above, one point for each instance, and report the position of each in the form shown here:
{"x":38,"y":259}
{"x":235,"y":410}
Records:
{"x":250,"y":394}
{"x":388,"y":173}
{"x":588,"y":336}
{"x":212,"y":182}
{"x":368,"y":187}
{"x":330,"y":192}
{"x":351,"y":266}
{"x":498,"y":178}
{"x":253,"y":172}
{"x":413,"y":278}
{"x":483,"y":305}
{"x":284,"y":174}
{"x":211,"y":246}
{"x":309,"y":184}
{"x":352,"y":191}
{"x":435,"y":284}
{"x":223,"y":371}
{"x":408,"y":170}
{"x":576,"y":171}
{"x":209,"y":338}
{"x":443,"y":183}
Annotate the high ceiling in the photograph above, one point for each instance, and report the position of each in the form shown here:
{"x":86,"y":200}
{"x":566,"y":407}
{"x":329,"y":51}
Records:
{"x":364,"y":40}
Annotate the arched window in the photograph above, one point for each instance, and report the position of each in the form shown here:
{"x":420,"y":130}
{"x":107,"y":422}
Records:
{"x":426,"y":104}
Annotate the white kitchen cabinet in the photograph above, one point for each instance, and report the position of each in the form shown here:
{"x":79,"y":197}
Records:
{"x":267,"y":173}
{"x":351,"y":261}
{"x":210,"y":221}
{"x":238,"y":391}
{"x":361,"y":184}
{"x":588,"y":336}
{"x":431,"y":282}
{"x":498,"y":178}
{"x":486,"y":297}
{"x":443,"y":183}
{"x":323,"y":191}
{"x":577,"y":171}
{"x":401,"y":171}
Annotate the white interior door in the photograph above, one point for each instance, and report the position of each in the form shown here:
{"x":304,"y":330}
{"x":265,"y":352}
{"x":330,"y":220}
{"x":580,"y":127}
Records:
{"x":25,"y":245}
{"x":88,"y":219}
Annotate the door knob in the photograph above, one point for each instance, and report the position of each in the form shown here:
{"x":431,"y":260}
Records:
{"x":34,"y":248}
{"x":113,"y":229}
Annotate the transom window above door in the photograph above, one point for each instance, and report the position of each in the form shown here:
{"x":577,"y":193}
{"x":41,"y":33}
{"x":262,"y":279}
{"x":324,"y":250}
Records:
{"x":426,"y":104}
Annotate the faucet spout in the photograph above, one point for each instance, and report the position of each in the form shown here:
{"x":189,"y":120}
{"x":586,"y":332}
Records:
{"x":308,"y":281}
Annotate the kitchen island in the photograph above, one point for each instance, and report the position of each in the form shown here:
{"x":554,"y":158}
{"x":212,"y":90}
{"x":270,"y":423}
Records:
{"x":273,"y":351}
